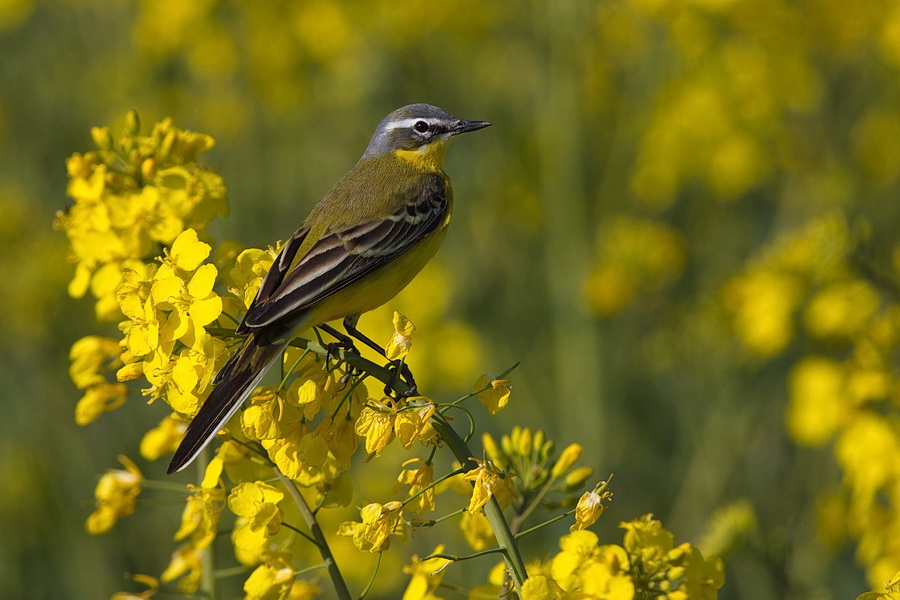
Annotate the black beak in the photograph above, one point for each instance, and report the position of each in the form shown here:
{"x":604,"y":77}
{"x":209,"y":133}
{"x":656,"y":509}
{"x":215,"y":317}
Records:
{"x":464,"y":126}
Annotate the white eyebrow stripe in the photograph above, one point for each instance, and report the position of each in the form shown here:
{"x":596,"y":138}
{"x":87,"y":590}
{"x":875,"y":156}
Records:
{"x":405,"y":123}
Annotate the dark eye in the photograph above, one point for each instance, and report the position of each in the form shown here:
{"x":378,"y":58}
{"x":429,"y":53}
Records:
{"x":421,"y":126}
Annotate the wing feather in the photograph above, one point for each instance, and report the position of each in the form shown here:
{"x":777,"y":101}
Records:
{"x":343,"y":257}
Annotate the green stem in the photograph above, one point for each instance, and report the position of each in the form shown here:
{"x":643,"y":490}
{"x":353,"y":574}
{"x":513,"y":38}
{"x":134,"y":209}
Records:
{"x":492,"y":509}
{"x":369,"y":585}
{"x":432,"y":485}
{"x":454,"y":558}
{"x":544,"y":524}
{"x":299,"y":532}
{"x":208,"y":554}
{"x":433,"y":522}
{"x":520,"y":518}
{"x":337,"y":579}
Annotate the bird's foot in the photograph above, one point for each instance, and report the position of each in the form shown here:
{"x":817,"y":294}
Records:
{"x":400,"y":372}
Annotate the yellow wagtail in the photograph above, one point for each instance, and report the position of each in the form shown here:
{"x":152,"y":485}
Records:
{"x":361,"y":244}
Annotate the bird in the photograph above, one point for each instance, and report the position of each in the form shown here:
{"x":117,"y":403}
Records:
{"x":360,"y":245}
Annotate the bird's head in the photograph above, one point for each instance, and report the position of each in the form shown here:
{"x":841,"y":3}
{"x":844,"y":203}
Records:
{"x":420,"y":134}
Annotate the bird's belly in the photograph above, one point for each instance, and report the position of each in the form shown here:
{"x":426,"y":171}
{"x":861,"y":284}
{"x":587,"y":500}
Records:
{"x":380,"y":286}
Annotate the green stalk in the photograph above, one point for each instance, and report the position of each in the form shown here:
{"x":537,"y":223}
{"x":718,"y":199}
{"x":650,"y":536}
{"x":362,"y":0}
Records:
{"x":208,"y":554}
{"x":340,"y":586}
{"x":492,"y":510}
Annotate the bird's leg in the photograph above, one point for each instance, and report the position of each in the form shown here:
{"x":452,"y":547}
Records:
{"x":397,"y":367}
{"x":343,"y":343}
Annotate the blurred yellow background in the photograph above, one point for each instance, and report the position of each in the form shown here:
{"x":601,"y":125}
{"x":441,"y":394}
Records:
{"x":683,"y":224}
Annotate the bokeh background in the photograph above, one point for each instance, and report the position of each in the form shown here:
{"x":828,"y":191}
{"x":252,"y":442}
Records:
{"x":683,"y":224}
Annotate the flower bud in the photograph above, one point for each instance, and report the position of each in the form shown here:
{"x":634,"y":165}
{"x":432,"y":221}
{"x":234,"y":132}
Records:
{"x":538,"y":441}
{"x":576,"y":478}
{"x":148,"y":169}
{"x":130,"y":372}
{"x":525,"y":445}
{"x":165,"y":148}
{"x":567,"y":459}
{"x":508,"y":444}
{"x":132,"y":123}
{"x":492,"y":450}
{"x":102,"y":138}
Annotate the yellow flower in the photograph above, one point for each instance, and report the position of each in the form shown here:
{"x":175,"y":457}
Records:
{"x":426,"y":576}
{"x":142,"y":329}
{"x":313,"y":450}
{"x":141,"y":218}
{"x":249,"y":269}
{"x":183,"y":380}
{"x":152,"y":584}
{"x":89,"y":356}
{"x":540,"y":587}
{"x":304,"y":590}
{"x":841,"y":310}
{"x":378,"y":523}
{"x":647,"y":538}
{"x":496,"y":396}
{"x":313,"y":390}
{"x":200,"y":518}
{"x":577,"y":477}
{"x":401,"y":341}
{"x":477,"y":530}
{"x":129,"y":196}
{"x":270,"y":581}
{"x":493,"y":452}
{"x":489,"y":481}
{"x":596,"y":571}
{"x":567,"y":459}
{"x":376,"y":424}
{"x":818,"y":404}
{"x":286,"y":450}
{"x":762,"y":303}
{"x":418,"y":479}
{"x":257,"y":505}
{"x":116,"y":494}
{"x":187,"y":254}
{"x":868,"y":450}
{"x":99,"y":399}
{"x":163,"y":438}
{"x":634,"y":256}
{"x":185,"y":565}
{"x":414,"y":423}
{"x":193,"y":303}
{"x":342,"y":440}
{"x":263,"y":418}
{"x":588,"y":510}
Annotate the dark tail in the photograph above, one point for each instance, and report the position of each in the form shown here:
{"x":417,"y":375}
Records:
{"x":236,"y":381}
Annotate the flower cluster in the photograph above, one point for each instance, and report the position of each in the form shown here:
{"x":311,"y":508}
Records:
{"x":134,"y":197}
{"x":634,"y":257}
{"x":810,"y":263}
{"x":541,"y":472}
{"x":136,"y":232}
{"x":846,"y":395}
{"x":648,"y":564}
{"x":116,"y":495}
